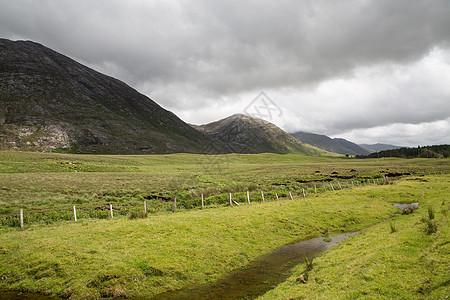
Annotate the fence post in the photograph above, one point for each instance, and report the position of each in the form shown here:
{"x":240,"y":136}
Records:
{"x":339,"y":185}
{"x":315,"y":189}
{"x":175,"y":204}
{"x":304,"y":195}
{"x":331,"y":186}
{"x":202,"y":202}
{"x":231,"y":204}
{"x":262,"y":195}
{"x":290,"y":195}
{"x":145,"y":207}
{"x":21,"y":218}
{"x":111,"y":210}
{"x":248,"y":197}
{"x":276,"y":194}
{"x":74,"y":213}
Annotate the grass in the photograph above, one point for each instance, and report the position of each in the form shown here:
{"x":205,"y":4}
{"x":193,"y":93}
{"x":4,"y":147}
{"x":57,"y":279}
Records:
{"x":44,"y":182}
{"x":410,"y":264}
{"x":142,"y":256}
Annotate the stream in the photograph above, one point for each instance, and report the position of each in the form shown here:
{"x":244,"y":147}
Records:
{"x":261,"y":275}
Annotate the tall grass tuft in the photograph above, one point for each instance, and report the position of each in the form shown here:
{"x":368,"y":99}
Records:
{"x":430,"y":212}
{"x":137,"y":215}
{"x":393,"y":229}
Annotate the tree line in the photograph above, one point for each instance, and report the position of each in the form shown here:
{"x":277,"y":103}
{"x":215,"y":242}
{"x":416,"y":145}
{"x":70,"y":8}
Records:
{"x":436,"y":151}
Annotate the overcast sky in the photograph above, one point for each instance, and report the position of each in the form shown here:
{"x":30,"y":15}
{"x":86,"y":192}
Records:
{"x":368,"y":71}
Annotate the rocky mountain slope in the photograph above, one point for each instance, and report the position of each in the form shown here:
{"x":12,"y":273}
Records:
{"x":49,"y":101}
{"x":335,"y":145}
{"x":252,"y":135}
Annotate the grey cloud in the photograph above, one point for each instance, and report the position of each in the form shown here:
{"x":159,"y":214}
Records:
{"x":188,"y":54}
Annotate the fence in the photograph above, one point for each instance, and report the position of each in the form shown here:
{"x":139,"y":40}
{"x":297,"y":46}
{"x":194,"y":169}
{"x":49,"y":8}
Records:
{"x":109,"y":210}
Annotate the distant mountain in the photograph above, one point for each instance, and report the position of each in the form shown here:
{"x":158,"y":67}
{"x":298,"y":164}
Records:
{"x":335,"y":145}
{"x":380,"y":147}
{"x":49,"y":101}
{"x":355,"y":148}
{"x":252,"y":135}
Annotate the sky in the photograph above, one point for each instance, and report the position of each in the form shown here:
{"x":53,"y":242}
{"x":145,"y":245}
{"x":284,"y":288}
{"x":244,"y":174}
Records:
{"x":368,"y":71}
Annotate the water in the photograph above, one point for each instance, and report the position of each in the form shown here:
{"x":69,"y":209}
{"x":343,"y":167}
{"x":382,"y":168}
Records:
{"x":406,"y":205}
{"x":10,"y":295}
{"x":261,"y":275}
{"x":249,"y":282}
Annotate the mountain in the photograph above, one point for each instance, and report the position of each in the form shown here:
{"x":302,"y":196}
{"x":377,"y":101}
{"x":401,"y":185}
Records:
{"x":380,"y":147}
{"x":355,"y":148}
{"x":335,"y":145}
{"x":49,"y":101}
{"x":252,"y":135}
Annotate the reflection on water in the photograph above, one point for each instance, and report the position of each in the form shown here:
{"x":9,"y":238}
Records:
{"x":408,"y":205}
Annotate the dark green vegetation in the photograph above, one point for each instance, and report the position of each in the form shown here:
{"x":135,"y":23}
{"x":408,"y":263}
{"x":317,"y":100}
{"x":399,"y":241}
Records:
{"x":245,"y":134}
{"x":438,"y":151}
{"x":137,"y":255}
{"x":50,"y":102}
{"x":335,"y":145}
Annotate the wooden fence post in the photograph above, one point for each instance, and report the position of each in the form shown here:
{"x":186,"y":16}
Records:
{"x":175,"y":204}
{"x":231,"y":204}
{"x":304,"y":195}
{"x":262,"y":195}
{"x":74,"y":213}
{"x":276,"y":194}
{"x":21,"y":218}
{"x":331,"y":186}
{"x":248,"y":197}
{"x":202,"y":202}
{"x":111,"y":210}
{"x":290,"y":195}
{"x":145,"y":207}
{"x":315,"y":189}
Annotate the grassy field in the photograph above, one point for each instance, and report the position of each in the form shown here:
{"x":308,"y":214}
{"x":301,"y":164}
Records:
{"x":42,"y":183}
{"x":405,"y":258}
{"x":124,"y":257}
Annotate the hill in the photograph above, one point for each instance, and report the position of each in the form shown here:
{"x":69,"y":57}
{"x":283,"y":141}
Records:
{"x":336,"y":145}
{"x":380,"y":147}
{"x":252,"y":135}
{"x":51,"y":102}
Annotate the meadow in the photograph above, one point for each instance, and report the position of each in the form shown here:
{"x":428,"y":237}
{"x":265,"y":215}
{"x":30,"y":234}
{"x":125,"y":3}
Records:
{"x":97,"y":257}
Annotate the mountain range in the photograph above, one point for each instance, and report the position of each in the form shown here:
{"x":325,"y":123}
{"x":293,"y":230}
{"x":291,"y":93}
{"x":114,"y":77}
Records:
{"x":336,"y":145}
{"x":50,"y":102}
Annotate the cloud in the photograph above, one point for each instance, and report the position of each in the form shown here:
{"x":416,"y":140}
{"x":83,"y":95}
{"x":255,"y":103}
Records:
{"x":335,"y":66}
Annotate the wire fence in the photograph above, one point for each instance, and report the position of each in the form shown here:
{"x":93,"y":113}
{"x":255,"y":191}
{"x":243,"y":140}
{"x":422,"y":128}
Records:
{"x":158,"y":204}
